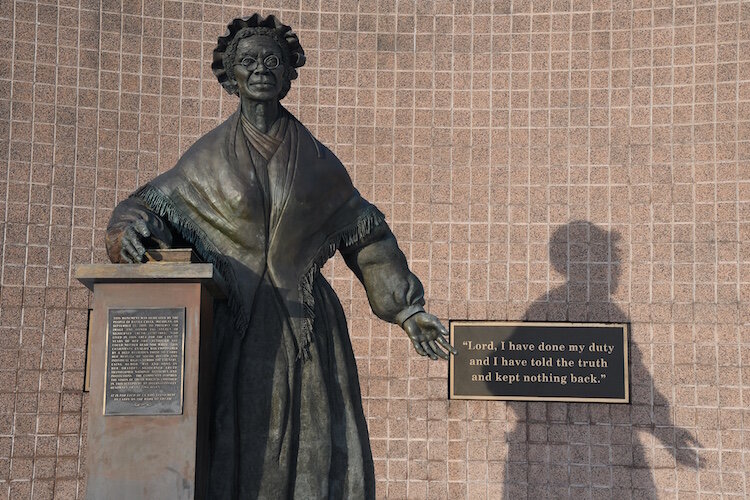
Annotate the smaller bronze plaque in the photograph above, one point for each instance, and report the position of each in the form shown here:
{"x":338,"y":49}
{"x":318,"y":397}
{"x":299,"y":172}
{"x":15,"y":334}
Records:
{"x":145,"y":361}
{"x":163,"y":255}
{"x":531,"y":361}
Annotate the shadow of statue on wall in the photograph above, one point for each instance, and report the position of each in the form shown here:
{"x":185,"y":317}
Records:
{"x":561,"y":450}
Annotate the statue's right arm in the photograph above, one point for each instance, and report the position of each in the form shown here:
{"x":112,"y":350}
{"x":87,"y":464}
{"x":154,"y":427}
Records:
{"x":132,"y":228}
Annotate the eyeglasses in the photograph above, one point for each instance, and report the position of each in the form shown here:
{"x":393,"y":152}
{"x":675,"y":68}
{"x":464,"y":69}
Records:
{"x":270,"y":62}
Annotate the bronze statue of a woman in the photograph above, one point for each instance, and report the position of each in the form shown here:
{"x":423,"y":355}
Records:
{"x":264,"y":201}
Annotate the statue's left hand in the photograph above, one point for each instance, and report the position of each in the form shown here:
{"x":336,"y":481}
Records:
{"x":428,"y":335}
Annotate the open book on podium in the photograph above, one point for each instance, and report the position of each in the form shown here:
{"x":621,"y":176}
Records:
{"x":150,"y":376}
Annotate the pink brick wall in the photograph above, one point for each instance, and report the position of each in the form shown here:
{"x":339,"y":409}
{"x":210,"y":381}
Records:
{"x":479,"y":128}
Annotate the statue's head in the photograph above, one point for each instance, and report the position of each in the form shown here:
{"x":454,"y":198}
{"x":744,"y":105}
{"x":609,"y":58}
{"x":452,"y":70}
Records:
{"x":257,"y":58}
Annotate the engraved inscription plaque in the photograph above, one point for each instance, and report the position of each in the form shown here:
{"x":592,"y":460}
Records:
{"x":535,"y":361}
{"x":145,"y":361}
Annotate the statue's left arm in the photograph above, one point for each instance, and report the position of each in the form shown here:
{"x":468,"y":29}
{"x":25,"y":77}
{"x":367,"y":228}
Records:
{"x":395,"y":294}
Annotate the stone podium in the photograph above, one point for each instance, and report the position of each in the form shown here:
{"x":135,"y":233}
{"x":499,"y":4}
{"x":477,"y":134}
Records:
{"x":150,"y":391}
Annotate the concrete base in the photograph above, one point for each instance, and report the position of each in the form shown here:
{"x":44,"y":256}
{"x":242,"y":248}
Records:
{"x":154,"y":456}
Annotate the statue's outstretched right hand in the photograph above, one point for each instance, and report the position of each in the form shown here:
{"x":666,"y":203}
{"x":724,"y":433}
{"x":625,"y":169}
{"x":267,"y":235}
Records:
{"x":428,"y":334}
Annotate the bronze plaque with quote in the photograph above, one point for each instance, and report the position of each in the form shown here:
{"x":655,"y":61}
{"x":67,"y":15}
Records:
{"x":145,"y":361}
{"x":537,"y":361}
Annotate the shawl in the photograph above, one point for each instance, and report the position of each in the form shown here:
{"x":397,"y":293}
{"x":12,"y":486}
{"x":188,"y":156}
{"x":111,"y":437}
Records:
{"x":214,"y":198}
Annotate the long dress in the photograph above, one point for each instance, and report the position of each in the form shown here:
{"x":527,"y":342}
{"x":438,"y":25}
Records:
{"x":285,"y":425}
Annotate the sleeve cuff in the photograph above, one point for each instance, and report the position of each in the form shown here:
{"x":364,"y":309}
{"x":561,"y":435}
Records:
{"x":408,"y":313}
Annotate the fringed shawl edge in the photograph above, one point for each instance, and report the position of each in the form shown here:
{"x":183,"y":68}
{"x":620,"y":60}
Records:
{"x":349,"y":235}
{"x":164,"y":207}
{"x":353,"y":233}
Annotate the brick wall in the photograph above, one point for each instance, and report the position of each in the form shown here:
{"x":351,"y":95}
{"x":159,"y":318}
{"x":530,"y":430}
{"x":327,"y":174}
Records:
{"x":558,"y":159}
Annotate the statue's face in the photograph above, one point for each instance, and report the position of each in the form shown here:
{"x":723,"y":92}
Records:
{"x":259,"y":68}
